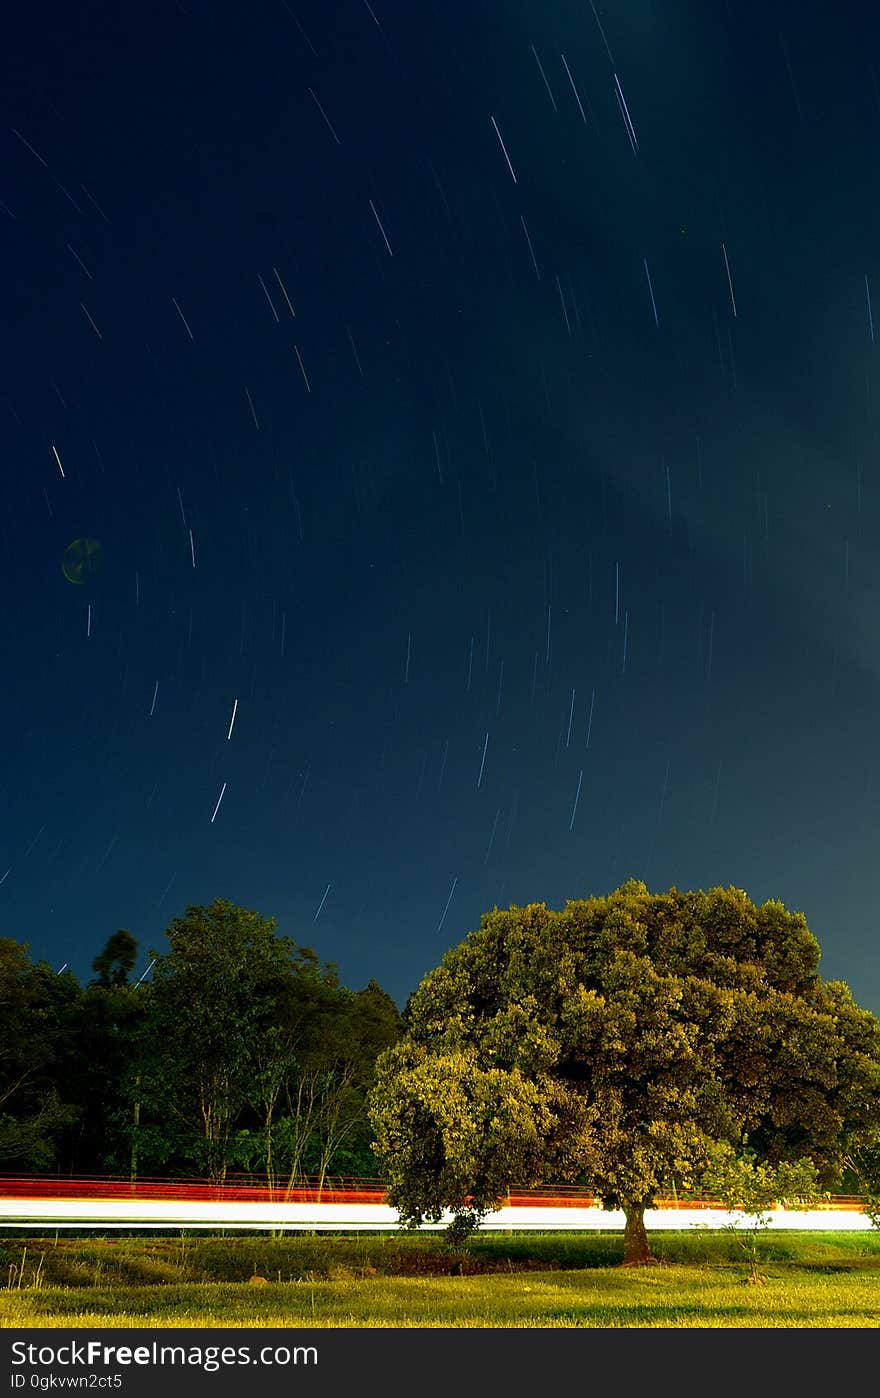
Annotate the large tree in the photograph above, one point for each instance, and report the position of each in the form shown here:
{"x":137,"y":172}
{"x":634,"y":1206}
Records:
{"x":211,"y":1013}
{"x":314,"y":1071}
{"x":621,"y":1041}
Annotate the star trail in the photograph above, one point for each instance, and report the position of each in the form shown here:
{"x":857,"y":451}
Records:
{"x":440,"y":467}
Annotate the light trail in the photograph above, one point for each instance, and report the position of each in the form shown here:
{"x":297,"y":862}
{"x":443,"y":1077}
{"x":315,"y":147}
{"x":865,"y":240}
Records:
{"x":118,"y":1204}
{"x":142,"y":1213}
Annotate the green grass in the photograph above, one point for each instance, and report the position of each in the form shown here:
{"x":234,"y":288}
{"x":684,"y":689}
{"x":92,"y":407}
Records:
{"x":511,"y":1281}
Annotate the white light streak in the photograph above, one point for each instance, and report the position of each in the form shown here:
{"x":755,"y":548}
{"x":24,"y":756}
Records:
{"x":576,"y":799}
{"x":602,"y":32}
{"x":564,"y":309}
{"x":492,"y":837}
{"x":330,"y":125}
{"x":531,"y":251}
{"x":590,"y":722}
{"x":443,"y":764}
{"x":322,"y":902}
{"x":91,"y":322}
{"x":381,"y":229}
{"x":651,"y":289}
{"x":29,"y":147}
{"x":357,"y":358}
{"x":219,"y":799}
{"x":73,"y":253}
{"x":58,"y":459}
{"x":146,"y":973}
{"x":573,"y":88}
{"x":483,"y":763}
{"x":627,"y":119}
{"x":448,"y":901}
{"x":182,"y":317}
{"x":232,"y":720}
{"x":268,"y":298}
{"x":284,"y":291}
{"x":303,"y":369}
{"x":733,"y":302}
{"x":504,"y":148}
{"x":130,"y":1213}
{"x":544,"y":76}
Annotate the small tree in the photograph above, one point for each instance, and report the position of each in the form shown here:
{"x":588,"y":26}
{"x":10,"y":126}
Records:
{"x":754,"y":1188}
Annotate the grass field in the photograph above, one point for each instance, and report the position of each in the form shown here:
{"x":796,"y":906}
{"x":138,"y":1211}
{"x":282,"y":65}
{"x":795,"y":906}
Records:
{"x":510,"y":1281}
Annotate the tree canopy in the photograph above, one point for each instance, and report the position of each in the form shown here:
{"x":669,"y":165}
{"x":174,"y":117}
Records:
{"x":242,"y":1051}
{"x":114,"y":964}
{"x":35,"y":1005}
{"x":254,"y":1050}
{"x":620,"y":1042}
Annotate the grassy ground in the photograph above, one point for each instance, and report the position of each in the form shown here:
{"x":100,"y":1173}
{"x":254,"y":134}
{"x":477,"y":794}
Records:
{"x":520,"y":1280}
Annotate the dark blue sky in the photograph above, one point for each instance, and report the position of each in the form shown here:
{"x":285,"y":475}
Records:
{"x":479,"y":401}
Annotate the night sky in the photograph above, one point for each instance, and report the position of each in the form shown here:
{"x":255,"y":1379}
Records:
{"x":475,"y":409}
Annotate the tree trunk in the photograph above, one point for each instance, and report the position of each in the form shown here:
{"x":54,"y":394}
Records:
{"x":270,"y":1164}
{"x":636,"y":1248}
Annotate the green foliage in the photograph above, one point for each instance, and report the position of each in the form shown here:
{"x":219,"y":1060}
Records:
{"x":742,"y":1181}
{"x":620,"y":1041}
{"x":864,"y":1166}
{"x":755,"y":1188}
{"x":113,"y":965}
{"x":211,"y":1008}
{"x":253,"y":1056}
{"x":94,"y":1071}
{"x":31,"y":1141}
{"x":243,"y":1052}
{"x":35,"y":1009}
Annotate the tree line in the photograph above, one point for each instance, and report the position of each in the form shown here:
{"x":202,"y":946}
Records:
{"x":240,"y":1051}
{"x":635,"y":1043}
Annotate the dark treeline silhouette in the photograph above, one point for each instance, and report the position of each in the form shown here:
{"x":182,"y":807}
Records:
{"x":239,"y":1051}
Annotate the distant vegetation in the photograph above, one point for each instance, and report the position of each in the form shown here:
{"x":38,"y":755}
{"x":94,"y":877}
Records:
{"x":241,"y":1051}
